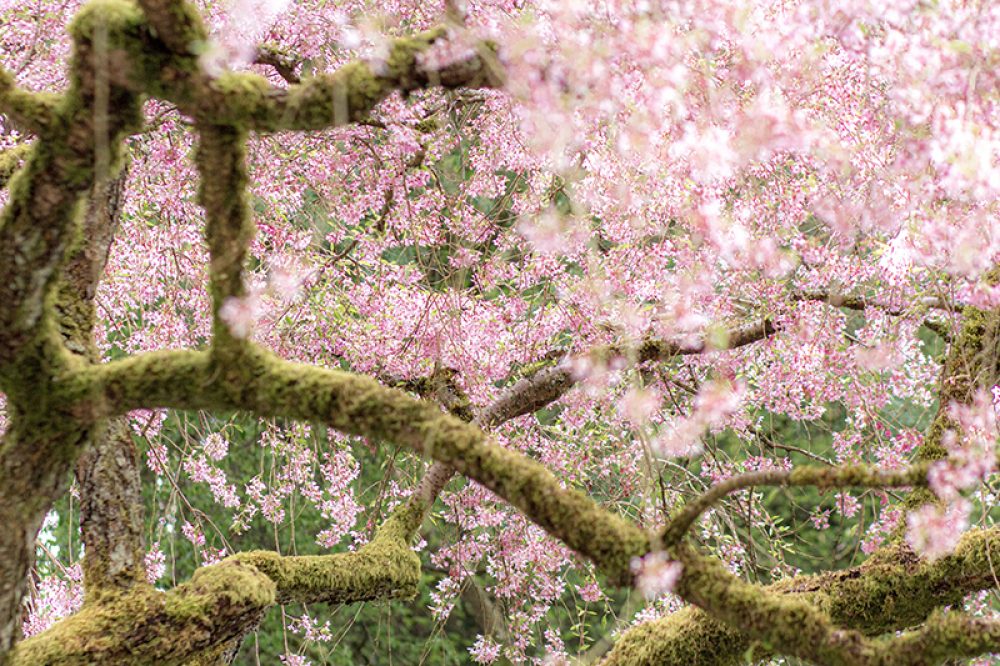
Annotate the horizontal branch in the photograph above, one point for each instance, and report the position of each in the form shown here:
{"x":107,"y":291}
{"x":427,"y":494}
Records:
{"x":548,"y":384}
{"x":247,"y":100}
{"x":856,"y":476}
{"x":856,"y":302}
{"x":943,"y":637}
{"x":859,"y":302}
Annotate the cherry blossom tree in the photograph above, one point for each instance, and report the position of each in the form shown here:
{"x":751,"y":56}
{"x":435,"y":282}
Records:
{"x":608,"y":290}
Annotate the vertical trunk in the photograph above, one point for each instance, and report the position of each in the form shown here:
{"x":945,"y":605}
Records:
{"x":111,"y":512}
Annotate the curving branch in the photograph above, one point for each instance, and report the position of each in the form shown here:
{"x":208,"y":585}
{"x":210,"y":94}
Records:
{"x":849,"y":476}
{"x":247,"y":100}
{"x":268,"y":386}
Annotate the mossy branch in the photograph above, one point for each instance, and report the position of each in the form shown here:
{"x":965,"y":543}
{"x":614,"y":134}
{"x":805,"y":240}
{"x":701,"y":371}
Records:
{"x":385,"y":568}
{"x":268,"y":386}
{"x":224,"y":601}
{"x":11,"y":160}
{"x":893,"y":590}
{"x":795,"y":625}
{"x":29,"y":110}
{"x":145,"y":626}
{"x":228,"y":228}
{"x":849,"y":476}
{"x":944,"y":637}
{"x":41,"y":219}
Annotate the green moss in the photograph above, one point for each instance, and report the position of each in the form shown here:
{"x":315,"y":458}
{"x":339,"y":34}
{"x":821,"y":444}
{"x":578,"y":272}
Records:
{"x":688,"y":637}
{"x":145,"y":626}
{"x":10,"y":161}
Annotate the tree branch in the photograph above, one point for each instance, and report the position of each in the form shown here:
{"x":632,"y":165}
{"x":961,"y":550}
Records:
{"x":283,"y":63}
{"x":31,"y":111}
{"x":11,"y":160}
{"x":857,"y":476}
{"x":358,"y":405}
{"x":891,"y":591}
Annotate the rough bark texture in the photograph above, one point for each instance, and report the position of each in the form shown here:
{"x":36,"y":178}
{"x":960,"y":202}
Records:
{"x":64,"y":405}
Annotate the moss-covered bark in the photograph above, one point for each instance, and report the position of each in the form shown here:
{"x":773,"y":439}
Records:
{"x":888,"y":593}
{"x":59,"y":397}
{"x":121,"y":54}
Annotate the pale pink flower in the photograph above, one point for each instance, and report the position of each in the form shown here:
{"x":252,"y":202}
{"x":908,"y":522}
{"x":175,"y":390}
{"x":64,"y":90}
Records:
{"x":847,"y":504}
{"x":933,"y":531}
{"x":484,"y":651}
{"x":638,"y":405}
{"x":681,"y":439}
{"x":215,"y":446}
{"x":193,"y":534}
{"x":591,"y":592}
{"x":821,"y":519}
{"x":295,"y":660}
{"x":286,"y":279}
{"x":881,"y":356}
{"x":155,"y":562}
{"x":240,"y":314}
{"x":716,"y":400}
{"x":656,"y":574}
